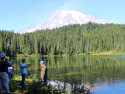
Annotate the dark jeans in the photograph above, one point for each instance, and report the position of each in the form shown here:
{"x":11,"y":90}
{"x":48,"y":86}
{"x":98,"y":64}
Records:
{"x":44,"y":82}
{"x":10,"y":76}
{"x":23,"y":80}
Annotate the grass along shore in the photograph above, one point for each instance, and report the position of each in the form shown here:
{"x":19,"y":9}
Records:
{"x":90,"y":53}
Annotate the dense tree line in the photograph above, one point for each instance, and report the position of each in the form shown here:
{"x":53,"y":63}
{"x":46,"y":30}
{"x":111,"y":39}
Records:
{"x":68,"y":40}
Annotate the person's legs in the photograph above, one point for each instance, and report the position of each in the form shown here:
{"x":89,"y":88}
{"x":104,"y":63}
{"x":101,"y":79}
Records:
{"x":5,"y":82}
{"x":45,"y":80}
{"x":23,"y":80}
{"x":11,"y":75}
{"x":1,"y":84}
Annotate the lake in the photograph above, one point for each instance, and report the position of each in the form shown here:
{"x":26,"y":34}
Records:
{"x":105,"y":73}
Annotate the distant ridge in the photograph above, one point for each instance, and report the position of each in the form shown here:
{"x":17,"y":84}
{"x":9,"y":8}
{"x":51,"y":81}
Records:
{"x":62,"y":18}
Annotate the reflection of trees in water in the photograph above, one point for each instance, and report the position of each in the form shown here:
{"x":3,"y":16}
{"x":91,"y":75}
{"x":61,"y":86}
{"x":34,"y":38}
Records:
{"x":91,"y":68}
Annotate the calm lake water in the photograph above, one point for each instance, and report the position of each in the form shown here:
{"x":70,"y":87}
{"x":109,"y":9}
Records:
{"x":105,"y":74}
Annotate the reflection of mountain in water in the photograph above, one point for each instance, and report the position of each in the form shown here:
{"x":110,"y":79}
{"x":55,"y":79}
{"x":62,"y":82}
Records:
{"x":60,"y":85}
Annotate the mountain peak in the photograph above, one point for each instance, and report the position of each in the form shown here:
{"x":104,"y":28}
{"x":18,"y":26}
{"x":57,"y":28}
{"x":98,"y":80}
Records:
{"x":62,"y":18}
{"x":74,"y":14}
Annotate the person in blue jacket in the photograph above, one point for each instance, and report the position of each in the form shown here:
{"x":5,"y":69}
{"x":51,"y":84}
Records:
{"x":4,"y":79}
{"x":23,"y":71}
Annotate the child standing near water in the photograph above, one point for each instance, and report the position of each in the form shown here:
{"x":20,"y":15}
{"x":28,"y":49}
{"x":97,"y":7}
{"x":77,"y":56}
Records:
{"x":10,"y":71}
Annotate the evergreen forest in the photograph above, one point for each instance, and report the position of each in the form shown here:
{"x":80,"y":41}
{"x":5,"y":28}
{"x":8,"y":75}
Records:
{"x":69,"y":40}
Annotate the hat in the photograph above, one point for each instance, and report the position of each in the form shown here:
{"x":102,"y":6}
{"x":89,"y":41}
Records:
{"x":42,"y":62}
{"x":2,"y":55}
{"x":23,"y":59}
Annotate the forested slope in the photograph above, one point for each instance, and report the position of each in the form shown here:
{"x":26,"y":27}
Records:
{"x":68,"y":40}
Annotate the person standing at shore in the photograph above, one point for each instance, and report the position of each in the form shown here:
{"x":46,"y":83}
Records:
{"x":23,"y":71}
{"x":43,"y":72}
{"x":4,"y":79}
{"x":10,"y":71}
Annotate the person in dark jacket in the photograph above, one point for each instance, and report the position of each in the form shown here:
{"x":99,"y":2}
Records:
{"x":4,"y":78}
{"x":43,"y":72}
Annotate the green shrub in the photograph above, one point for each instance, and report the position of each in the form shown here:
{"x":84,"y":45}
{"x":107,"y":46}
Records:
{"x":12,"y":86}
{"x":80,"y":90}
{"x":37,"y":88}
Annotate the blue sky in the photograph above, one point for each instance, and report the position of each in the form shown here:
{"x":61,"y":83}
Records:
{"x":20,"y":14}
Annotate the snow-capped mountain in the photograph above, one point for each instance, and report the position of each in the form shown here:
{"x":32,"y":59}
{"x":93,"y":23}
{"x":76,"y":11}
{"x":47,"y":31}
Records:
{"x":62,"y":18}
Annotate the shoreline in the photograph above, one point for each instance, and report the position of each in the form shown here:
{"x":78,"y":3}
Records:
{"x":34,"y":55}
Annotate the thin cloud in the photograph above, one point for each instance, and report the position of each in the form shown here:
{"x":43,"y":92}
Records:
{"x":48,"y":8}
{"x":71,"y":5}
